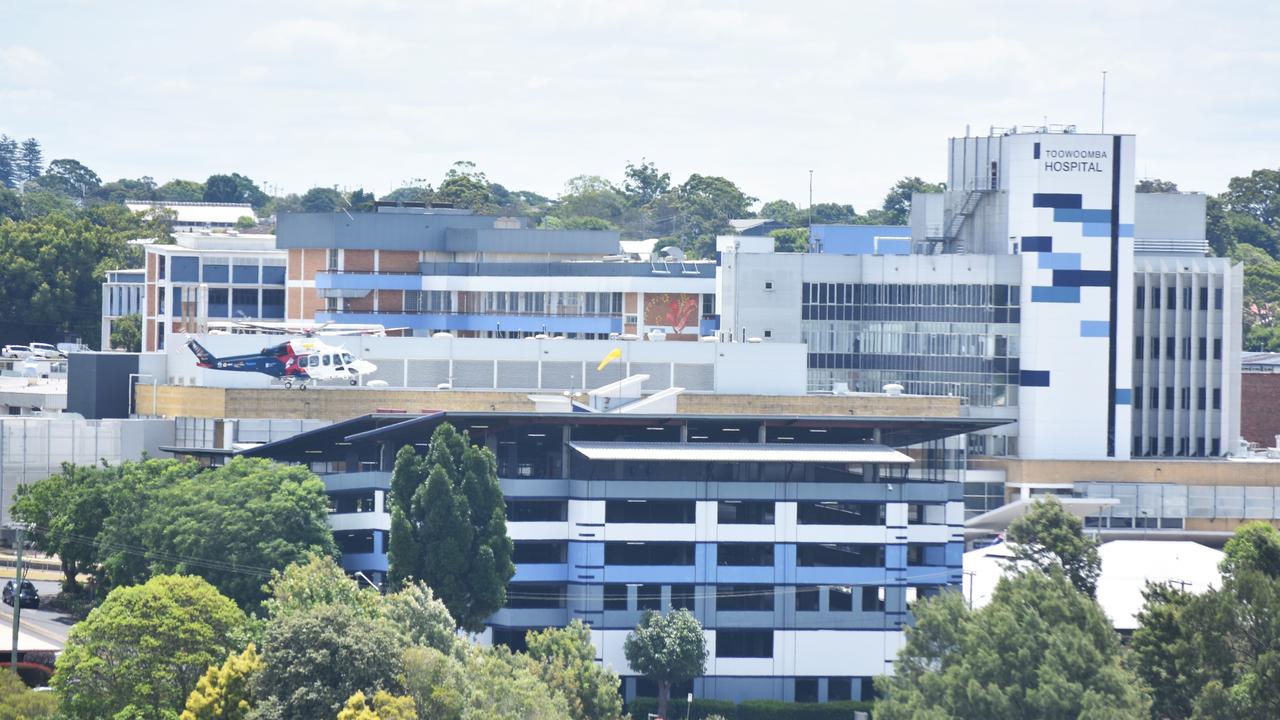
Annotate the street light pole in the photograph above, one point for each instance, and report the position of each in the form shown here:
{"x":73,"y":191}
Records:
{"x":17,"y":601}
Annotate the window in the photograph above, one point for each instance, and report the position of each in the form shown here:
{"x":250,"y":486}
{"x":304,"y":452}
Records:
{"x":1170,"y":299}
{"x":649,"y":511}
{"x":615,"y":596}
{"x":513,"y":638}
{"x":926,"y":554}
{"x":244,"y":274}
{"x":1155,"y":348}
{"x":1168,"y":348}
{"x":682,"y":597}
{"x":1200,"y":398}
{"x":537,"y":510}
{"x":1204,"y":349}
{"x":839,"y":689}
{"x":1137,"y":398}
{"x":1168,"y":444}
{"x":333,"y":258}
{"x":806,"y":689}
{"x":926,"y":514}
{"x":273,"y":304}
{"x":1186,"y":348}
{"x":1186,"y":298}
{"x":272,"y":274}
{"x":536,"y":596}
{"x":214,"y":271}
{"x":540,"y":552}
{"x":756,"y":598}
{"x":357,"y":502}
{"x":1140,"y":293}
{"x":744,"y":643}
{"x":1155,"y":398}
{"x":839,"y":513}
{"x":218,"y":307}
{"x":1204,"y":298}
{"x":184,"y":268}
{"x":840,"y":598}
{"x":872,"y":598}
{"x":768,"y":286}
{"x":744,"y":512}
{"x":1185,"y":398}
{"x":1217,"y":403}
{"x":325,"y":359}
{"x":1217,"y":349}
{"x":354,"y":542}
{"x":1168,"y":397}
{"x":648,"y":553}
{"x":768,"y":333}
{"x":1137,"y":348}
{"x":807,"y":598}
{"x":839,"y":555}
{"x":744,"y":554}
{"x":244,"y":303}
{"x":1217,"y":298}
{"x":649,"y":597}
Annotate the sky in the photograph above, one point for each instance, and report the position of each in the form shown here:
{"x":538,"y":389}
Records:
{"x":381,"y":93}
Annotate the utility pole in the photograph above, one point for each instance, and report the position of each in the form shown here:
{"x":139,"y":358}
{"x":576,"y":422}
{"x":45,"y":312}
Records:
{"x":1104,"y":102}
{"x":17,"y":602}
{"x":811,"y":201}
{"x":971,"y":575}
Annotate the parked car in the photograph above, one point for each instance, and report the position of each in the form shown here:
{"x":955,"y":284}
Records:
{"x":45,"y":351}
{"x":27,"y":597}
{"x":18,"y":352}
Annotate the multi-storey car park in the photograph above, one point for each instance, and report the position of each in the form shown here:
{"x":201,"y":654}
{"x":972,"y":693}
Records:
{"x":798,"y":541}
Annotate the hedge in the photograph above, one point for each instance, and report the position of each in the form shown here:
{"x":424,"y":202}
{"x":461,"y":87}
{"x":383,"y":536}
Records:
{"x":750,"y":710}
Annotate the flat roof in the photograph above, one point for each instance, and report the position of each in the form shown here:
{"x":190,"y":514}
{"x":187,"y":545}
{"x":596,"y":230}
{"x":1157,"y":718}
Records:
{"x":740,"y":452}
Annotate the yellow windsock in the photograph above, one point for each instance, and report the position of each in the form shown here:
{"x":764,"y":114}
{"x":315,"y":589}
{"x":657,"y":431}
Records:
{"x":614,"y":354}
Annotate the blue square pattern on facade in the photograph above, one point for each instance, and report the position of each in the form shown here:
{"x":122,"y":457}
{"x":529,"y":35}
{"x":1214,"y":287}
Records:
{"x":1059,"y":261}
{"x":1095,"y":328}
{"x":1091,"y":229}
{"x":1033,"y":378}
{"x":1042,"y":294}
{"x":1037,"y":243}
{"x":1057,"y":200}
{"x":1081,"y":215}
{"x":1081,"y":278}
{"x":1124,"y":396}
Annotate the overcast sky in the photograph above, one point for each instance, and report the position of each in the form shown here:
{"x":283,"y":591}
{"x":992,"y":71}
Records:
{"x":376,"y":93}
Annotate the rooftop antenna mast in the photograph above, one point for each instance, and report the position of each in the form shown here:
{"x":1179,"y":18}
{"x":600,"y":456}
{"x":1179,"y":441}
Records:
{"x":811,"y":199}
{"x":1104,"y":102}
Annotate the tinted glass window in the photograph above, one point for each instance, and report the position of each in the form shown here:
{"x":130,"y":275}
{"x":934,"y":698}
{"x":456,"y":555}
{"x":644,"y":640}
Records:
{"x":839,"y":555}
{"x":839,"y":513}
{"x":649,"y":511}
{"x":744,"y":643}
{"x":744,"y":597}
{"x":535,"y":595}
{"x":745,"y":554}
{"x":648,"y":553}
{"x":537,"y":510}
{"x":745,"y":512}
{"x":540,"y":551}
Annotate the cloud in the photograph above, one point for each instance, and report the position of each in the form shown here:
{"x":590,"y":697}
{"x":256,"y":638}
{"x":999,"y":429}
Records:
{"x":23,"y":65}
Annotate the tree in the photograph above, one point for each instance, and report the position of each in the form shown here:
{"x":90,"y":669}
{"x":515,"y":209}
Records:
{"x":316,"y":658}
{"x":224,"y":692}
{"x":1049,"y":536}
{"x":124,"y":525}
{"x":1040,"y":649}
{"x":10,"y":204}
{"x":232,"y":525}
{"x":124,"y":189}
{"x":410,"y":193}
{"x":385,"y":707}
{"x":491,"y":683}
{"x":322,"y":200}
{"x":1255,"y":546}
{"x":667,"y":649}
{"x":591,"y":196}
{"x":1256,"y":195}
{"x":318,"y":581}
{"x":466,"y":187}
{"x":784,"y":211}
{"x":221,"y":188}
{"x":71,"y":178}
{"x":1155,"y":185}
{"x":644,"y":184}
{"x":145,"y":647}
{"x":896,"y":209}
{"x":449,"y":528}
{"x":566,"y":661}
{"x":791,"y":240}
{"x":701,"y":208}
{"x":246,"y":222}
{"x":181,"y":191}
{"x":835,"y":214}
{"x":10,"y":174}
{"x":126,"y":333}
{"x":421,"y":618}
{"x":1164,"y":658}
{"x":65,"y":512}
{"x":19,"y":702}
{"x":361,"y":201}
{"x":30,"y":163}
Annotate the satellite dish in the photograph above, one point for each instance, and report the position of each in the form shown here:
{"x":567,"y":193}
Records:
{"x":673,"y":252}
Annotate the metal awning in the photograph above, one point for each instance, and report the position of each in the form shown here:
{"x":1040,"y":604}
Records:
{"x":740,"y":452}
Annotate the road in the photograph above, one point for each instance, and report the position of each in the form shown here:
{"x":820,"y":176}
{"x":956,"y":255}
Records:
{"x":45,"y":624}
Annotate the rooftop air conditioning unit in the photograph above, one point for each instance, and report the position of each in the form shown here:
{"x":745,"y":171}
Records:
{"x":442,"y":335}
{"x":892,"y":389}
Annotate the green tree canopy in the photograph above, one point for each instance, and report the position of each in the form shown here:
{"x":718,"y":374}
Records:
{"x":700,"y":208}
{"x":449,"y":528}
{"x":65,"y":512}
{"x":143,"y":650}
{"x":384,"y":706}
{"x":896,"y":209}
{"x":19,"y":702}
{"x":316,"y":658}
{"x":1050,"y":536}
{"x":126,"y":333}
{"x":644,"y":183}
{"x":566,"y":661}
{"x":1040,"y":649}
{"x":317,"y":581}
{"x":71,"y":178}
{"x":225,"y":692}
{"x":667,"y":649}
{"x":181,"y":191}
{"x":322,"y":200}
{"x":791,"y":239}
{"x":1155,"y":185}
{"x":491,"y":683}
{"x":784,"y":211}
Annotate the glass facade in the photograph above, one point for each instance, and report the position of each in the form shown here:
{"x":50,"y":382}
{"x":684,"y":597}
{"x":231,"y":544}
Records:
{"x":951,"y":340}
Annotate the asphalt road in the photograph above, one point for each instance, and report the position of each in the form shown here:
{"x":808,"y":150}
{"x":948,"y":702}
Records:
{"x":45,"y":624}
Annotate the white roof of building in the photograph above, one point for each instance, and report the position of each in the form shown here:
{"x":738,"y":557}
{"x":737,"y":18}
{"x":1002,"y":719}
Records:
{"x":740,"y":452}
{"x":193,"y":213}
{"x":1127,"y":567}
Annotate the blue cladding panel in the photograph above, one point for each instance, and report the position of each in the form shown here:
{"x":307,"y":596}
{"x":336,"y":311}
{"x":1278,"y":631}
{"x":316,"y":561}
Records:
{"x":1057,"y":200}
{"x":1037,"y":243}
{"x":1055,"y":294}
{"x":1033,"y":378}
{"x":895,"y":247}
{"x":1081,"y":216}
{"x":1104,"y":229}
{"x":1059,"y":261}
{"x":1124,"y":396}
{"x":184,"y":268}
{"x":1081,"y":278}
{"x":1095,"y":328}
{"x":1035,"y":152}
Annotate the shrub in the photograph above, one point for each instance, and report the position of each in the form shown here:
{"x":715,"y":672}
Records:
{"x":776,"y":710}
{"x":702,"y":709}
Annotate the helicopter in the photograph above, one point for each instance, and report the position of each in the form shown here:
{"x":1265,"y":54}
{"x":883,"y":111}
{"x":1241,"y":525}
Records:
{"x":308,"y":360}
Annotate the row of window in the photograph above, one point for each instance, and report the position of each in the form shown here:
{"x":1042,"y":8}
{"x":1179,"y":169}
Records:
{"x":1171,"y":347}
{"x":1140,"y":294}
{"x":185,"y":268}
{"x":728,"y":512}
{"x":663,"y":553}
{"x":728,"y":598}
{"x":1184,"y":399}
{"x":1153,"y":447}
{"x":909,"y":294}
{"x":226,"y":302}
